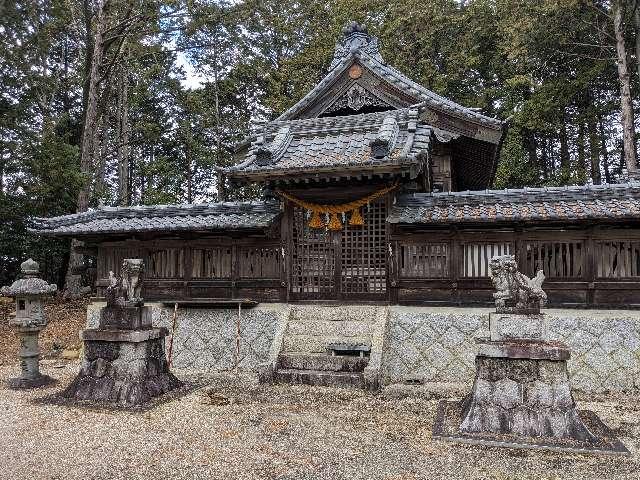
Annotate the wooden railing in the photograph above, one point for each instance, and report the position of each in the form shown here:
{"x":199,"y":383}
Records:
{"x":214,"y":269}
{"x":582,"y":268}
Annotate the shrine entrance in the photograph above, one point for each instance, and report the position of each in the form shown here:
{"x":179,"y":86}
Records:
{"x":347,"y":264}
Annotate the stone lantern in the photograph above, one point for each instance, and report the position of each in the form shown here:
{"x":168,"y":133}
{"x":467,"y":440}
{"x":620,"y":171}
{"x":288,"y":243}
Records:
{"x":29,"y":320}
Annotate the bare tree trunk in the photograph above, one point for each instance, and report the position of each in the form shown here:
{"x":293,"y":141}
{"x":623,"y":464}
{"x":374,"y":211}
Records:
{"x":124,"y":129}
{"x":605,"y":152}
{"x":73,"y":278}
{"x":594,"y":150}
{"x":101,"y":164}
{"x":544,"y":160}
{"x":91,"y":115}
{"x":2,"y":162}
{"x":188,"y":166}
{"x":626,"y":104}
{"x":565,"y":159}
{"x":222,"y":190}
{"x":581,"y":170}
{"x":636,"y":23}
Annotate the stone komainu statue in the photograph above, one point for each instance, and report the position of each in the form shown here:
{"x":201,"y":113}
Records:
{"x":515,"y":291}
{"x":132,"y":278}
{"x":128,"y":288}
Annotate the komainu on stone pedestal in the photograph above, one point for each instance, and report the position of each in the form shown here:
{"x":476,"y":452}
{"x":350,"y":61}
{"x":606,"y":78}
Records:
{"x":521,"y":395}
{"x":124,"y":358}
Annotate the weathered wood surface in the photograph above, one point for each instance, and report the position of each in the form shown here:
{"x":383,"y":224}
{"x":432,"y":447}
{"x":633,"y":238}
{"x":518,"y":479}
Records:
{"x":597,"y":267}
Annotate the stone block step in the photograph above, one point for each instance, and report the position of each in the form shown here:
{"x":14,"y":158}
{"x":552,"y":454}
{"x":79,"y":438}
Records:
{"x":320,"y":378}
{"x":345,"y":328}
{"x":317,"y":344}
{"x":335,"y":313}
{"x":325,"y":363}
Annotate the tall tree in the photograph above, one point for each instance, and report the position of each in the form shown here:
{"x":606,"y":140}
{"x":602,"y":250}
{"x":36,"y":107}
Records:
{"x":626,"y":101}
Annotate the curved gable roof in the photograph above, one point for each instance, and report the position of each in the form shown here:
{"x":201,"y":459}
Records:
{"x":358,"y":47}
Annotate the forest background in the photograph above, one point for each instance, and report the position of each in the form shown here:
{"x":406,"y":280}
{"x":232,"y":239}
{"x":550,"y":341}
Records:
{"x":130,"y":102}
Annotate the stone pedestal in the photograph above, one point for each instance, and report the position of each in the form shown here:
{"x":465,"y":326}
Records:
{"x":512,"y":326}
{"x":126,"y":368}
{"x":125,"y":317}
{"x":521,"y":398}
{"x":29,"y":355}
{"x":522,"y":388}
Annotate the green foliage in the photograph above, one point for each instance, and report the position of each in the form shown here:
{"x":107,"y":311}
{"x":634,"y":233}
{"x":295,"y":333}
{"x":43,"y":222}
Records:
{"x":547,"y":65}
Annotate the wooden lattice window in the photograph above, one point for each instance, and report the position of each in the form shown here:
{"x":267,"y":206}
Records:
{"x":211,"y":262}
{"x":111,"y":260}
{"x":426,"y":260}
{"x":618,"y":259}
{"x":476,"y":257}
{"x":257,"y":262}
{"x":166,"y":263}
{"x":563,"y":259}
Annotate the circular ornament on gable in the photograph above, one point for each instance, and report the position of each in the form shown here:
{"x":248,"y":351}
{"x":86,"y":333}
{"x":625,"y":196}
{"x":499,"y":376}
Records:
{"x":355,"y":71}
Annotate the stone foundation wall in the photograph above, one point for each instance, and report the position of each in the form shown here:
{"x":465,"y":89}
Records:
{"x":426,"y":344}
{"x":430,"y":344}
{"x":205,"y":339}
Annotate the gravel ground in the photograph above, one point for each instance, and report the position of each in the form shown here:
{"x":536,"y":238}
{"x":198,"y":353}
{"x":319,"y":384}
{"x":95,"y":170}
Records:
{"x":274,"y":432}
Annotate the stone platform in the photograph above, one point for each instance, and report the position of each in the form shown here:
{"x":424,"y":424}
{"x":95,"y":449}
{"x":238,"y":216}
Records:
{"x":122,"y":367}
{"x":447,"y":428}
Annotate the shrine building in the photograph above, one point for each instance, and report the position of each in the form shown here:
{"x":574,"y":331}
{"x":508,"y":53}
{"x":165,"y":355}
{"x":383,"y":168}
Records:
{"x":377,"y":190}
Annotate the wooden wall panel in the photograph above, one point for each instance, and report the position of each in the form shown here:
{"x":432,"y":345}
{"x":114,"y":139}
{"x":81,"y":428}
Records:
{"x":589,"y":267}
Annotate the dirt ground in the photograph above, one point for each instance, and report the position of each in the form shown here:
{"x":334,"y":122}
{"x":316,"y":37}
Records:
{"x":232,"y":428}
{"x":66,"y":319}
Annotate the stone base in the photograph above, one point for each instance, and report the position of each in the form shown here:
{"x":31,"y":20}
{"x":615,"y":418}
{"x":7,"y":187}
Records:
{"x":447,"y":428}
{"x":521,"y":396}
{"x":125,"y":318}
{"x":508,"y":326}
{"x":23,"y":383}
{"x":523,"y":349}
{"x":122,"y":368}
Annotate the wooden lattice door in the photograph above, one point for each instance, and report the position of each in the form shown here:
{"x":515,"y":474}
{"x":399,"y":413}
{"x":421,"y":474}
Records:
{"x":363,"y":256}
{"x":349,"y":264}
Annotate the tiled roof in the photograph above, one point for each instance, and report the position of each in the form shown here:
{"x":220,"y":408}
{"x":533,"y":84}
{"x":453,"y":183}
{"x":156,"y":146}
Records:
{"x":161,"y":218}
{"x":593,"y":202}
{"x":397,"y":79}
{"x":337,"y":143}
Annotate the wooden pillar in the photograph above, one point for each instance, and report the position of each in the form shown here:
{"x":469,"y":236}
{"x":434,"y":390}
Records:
{"x":188,"y":270}
{"x":283,"y":256}
{"x":590,"y":267}
{"x":287,"y":241}
{"x":234,"y":270}
{"x":455,"y":254}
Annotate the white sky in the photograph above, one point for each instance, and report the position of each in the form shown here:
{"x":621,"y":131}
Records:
{"x":192,"y":79}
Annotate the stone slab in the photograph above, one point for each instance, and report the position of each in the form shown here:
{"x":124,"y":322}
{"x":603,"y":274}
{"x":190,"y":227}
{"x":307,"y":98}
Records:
{"x":447,"y":428}
{"x":128,"y":336}
{"x":320,"y":378}
{"x":523,"y":349}
{"x":327,"y":363}
{"x":508,"y":326}
{"x":24,"y":383}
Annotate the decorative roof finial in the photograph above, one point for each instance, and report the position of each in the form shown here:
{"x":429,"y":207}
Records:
{"x":355,"y":38}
